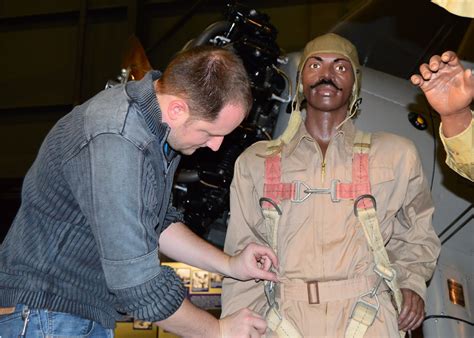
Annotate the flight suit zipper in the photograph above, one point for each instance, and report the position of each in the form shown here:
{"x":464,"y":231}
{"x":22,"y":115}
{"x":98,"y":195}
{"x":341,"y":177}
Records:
{"x":323,"y":170}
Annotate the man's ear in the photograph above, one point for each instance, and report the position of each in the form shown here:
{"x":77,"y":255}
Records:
{"x":178,"y":111}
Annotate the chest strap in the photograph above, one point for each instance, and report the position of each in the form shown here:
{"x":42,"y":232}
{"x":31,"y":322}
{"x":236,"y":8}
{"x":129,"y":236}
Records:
{"x":298,"y":191}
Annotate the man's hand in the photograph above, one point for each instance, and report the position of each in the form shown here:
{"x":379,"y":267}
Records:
{"x":254,"y":262}
{"x":413,"y":310}
{"x":448,"y":87}
{"x":243,"y":323}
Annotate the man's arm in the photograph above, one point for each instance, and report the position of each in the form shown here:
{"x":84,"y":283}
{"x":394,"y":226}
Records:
{"x":246,"y":225}
{"x":190,"y":321}
{"x":414,"y":247}
{"x":181,"y":244}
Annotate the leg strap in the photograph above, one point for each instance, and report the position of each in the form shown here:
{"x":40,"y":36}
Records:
{"x":281,"y":326}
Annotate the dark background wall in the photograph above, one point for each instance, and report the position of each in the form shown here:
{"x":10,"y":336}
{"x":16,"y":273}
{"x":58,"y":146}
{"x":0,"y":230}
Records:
{"x":58,"y":53}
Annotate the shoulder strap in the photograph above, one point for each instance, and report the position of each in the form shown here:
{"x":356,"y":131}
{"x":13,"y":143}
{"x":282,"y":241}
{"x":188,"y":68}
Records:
{"x":364,"y":312}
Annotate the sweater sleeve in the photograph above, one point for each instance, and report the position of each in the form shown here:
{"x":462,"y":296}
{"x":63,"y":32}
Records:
{"x":118,"y":194}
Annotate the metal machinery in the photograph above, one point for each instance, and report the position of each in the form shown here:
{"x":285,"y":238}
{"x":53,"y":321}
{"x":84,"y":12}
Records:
{"x":202,"y":184}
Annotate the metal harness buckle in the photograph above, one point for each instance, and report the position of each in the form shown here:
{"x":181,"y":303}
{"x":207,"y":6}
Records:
{"x":364,"y":311}
{"x":361,"y":197}
{"x":303,"y":191}
{"x":313,"y":292}
{"x":269,"y":288}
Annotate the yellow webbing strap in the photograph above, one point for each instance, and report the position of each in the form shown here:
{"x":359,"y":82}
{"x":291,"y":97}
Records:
{"x":272,"y":219}
{"x":364,"y":313}
{"x":370,"y":224}
{"x":290,"y":131}
{"x":363,"y":316}
{"x":281,"y":326}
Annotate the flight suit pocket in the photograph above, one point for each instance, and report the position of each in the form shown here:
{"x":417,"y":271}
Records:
{"x":379,"y":175}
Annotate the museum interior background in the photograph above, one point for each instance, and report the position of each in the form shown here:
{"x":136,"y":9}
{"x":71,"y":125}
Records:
{"x":58,"y":53}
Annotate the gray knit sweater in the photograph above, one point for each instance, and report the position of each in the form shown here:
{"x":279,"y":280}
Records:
{"x":85,"y":239}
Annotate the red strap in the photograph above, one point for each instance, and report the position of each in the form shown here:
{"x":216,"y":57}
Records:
{"x":360,"y":181}
{"x":273,"y":187}
{"x":277,"y":191}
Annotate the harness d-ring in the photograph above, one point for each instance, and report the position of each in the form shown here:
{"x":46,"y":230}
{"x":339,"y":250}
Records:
{"x":272,"y":202}
{"x":361,"y":197}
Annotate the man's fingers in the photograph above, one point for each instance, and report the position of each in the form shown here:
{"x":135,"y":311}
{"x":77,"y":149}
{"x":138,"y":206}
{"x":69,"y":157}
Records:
{"x":266,"y":263}
{"x":435,"y":63}
{"x":416,"y":80}
{"x":411,"y":315}
{"x":419,"y":322}
{"x":262,"y":251}
{"x":448,"y":56}
{"x":259,"y":324}
{"x":404,"y":319}
{"x":265,"y":275}
{"x":425,"y":72}
{"x":410,"y":321}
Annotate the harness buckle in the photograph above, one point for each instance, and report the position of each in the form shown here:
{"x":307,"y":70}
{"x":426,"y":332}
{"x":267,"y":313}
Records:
{"x":360,"y":198}
{"x":302,"y":191}
{"x":270,"y":201}
{"x":365,"y":312}
{"x":269,"y":288}
{"x":313,"y":292}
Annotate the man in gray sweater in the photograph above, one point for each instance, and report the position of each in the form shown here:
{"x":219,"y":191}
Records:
{"x":96,"y":209}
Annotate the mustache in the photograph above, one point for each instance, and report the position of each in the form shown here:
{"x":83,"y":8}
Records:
{"x":324,"y":82}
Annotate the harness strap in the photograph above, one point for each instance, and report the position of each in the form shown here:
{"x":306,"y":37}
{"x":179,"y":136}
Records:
{"x":281,"y":326}
{"x":298,"y":191}
{"x":273,"y":187}
{"x":366,"y":308}
{"x":360,"y":184}
{"x":276,"y":322}
{"x":316,"y":292}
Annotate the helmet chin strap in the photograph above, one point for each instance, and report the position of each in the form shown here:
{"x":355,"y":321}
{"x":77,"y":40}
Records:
{"x":352,"y":111}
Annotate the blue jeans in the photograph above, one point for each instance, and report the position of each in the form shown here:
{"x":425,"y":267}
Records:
{"x":44,"y":323}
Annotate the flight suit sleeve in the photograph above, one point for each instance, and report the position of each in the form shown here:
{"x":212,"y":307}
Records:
{"x":414,"y":246}
{"x":460,"y":151}
{"x":244,"y":216}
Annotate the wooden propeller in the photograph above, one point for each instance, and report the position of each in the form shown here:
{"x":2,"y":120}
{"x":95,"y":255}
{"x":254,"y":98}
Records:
{"x":135,"y":60}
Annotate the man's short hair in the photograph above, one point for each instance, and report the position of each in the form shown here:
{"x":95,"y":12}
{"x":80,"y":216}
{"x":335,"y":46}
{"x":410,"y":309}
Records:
{"x":208,"y":78}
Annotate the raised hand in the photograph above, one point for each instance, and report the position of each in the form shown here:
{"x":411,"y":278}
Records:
{"x":449,"y":89}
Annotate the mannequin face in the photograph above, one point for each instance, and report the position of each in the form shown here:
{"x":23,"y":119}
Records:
{"x":327,"y":80}
{"x":189,"y":134}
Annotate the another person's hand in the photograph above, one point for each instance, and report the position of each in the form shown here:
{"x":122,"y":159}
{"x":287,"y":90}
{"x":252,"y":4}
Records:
{"x":449,"y":88}
{"x":254,"y":262}
{"x":243,"y":324}
{"x":413,"y":311}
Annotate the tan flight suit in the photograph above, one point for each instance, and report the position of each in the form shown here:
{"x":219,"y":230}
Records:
{"x":322,"y":240}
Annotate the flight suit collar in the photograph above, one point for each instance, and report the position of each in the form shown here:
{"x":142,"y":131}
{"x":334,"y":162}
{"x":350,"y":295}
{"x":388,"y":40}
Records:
{"x":346,"y":133}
